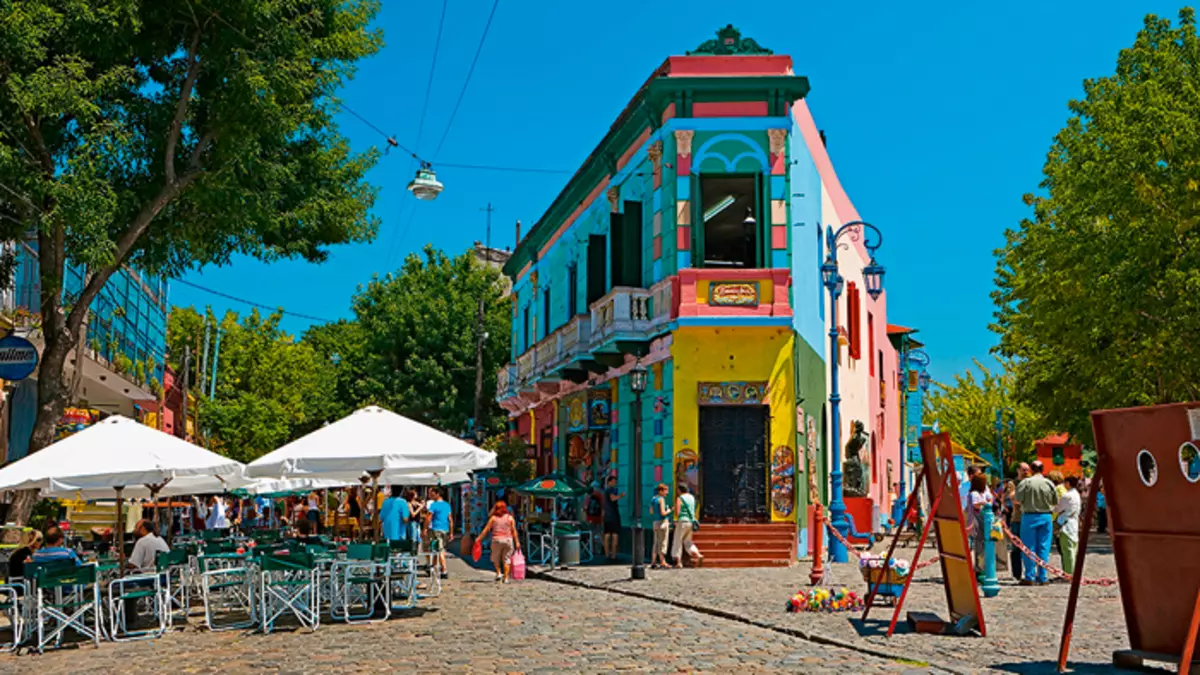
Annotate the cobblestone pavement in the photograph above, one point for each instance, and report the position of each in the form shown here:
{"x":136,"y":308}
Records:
{"x":478,"y":626}
{"x":1023,"y":623}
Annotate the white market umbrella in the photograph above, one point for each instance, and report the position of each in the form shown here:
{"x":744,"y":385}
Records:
{"x":115,"y":453}
{"x":373,"y":441}
{"x":112,"y":455}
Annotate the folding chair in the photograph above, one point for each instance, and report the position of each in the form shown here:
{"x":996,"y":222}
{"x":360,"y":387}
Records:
{"x":125,"y":593}
{"x":403,"y":573}
{"x":361,"y":581}
{"x":227,"y":588}
{"x":12,"y":607}
{"x":65,"y":594}
{"x":174,"y":566}
{"x":289,"y":585}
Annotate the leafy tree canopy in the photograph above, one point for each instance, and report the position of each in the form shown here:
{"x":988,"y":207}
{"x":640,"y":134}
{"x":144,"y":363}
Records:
{"x":967,"y":409}
{"x":418,"y":340}
{"x":1099,"y":291}
{"x":169,"y":134}
{"x":270,"y":389}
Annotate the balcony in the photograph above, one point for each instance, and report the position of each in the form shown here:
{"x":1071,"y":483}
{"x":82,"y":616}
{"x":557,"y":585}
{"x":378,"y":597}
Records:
{"x":506,"y":382}
{"x":621,"y":320}
{"x":746,"y":297}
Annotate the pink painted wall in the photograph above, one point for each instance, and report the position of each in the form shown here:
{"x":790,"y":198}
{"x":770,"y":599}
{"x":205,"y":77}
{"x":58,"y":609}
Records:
{"x":860,"y":390}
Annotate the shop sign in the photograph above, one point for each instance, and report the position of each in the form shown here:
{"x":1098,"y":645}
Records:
{"x":18,"y":358}
{"x":733,"y":294}
{"x":598,"y":408}
{"x":576,"y":417}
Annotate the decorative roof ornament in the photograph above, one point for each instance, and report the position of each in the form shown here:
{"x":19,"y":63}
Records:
{"x":730,"y":41}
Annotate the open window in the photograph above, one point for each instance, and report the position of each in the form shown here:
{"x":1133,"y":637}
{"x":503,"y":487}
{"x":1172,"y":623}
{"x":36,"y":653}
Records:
{"x":729,"y":212}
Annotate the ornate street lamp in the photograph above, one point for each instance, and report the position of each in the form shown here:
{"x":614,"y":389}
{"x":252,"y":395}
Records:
{"x":873,"y":277}
{"x":924,"y":380}
{"x":637,"y":382}
{"x":910,"y":358}
{"x":425,"y":186}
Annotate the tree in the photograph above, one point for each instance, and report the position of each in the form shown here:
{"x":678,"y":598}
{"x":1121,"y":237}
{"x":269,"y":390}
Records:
{"x":1099,"y":291}
{"x":270,"y":389}
{"x":511,"y":463}
{"x":170,"y":134}
{"x":967,"y":409}
{"x":418,"y":328}
{"x":344,"y":345}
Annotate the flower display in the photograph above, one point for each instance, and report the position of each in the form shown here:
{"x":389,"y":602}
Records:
{"x":825,"y":600}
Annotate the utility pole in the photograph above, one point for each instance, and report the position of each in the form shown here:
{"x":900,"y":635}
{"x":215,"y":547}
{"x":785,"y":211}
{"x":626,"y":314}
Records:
{"x":480,"y":335}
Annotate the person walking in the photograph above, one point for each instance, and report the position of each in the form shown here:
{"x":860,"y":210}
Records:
{"x":1101,"y":512}
{"x":394,"y":516}
{"x":685,"y":525}
{"x":1037,"y":498}
{"x":314,"y":511}
{"x":612,"y":518}
{"x":661,"y":515}
{"x":441,"y":523}
{"x":1014,"y":523}
{"x":504,"y":539}
{"x":978,"y":499}
{"x":416,"y":515}
{"x":1066,"y":515}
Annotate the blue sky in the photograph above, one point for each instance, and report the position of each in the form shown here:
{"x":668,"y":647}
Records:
{"x":938,"y":119}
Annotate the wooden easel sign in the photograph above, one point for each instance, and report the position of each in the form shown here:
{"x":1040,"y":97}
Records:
{"x":1149,"y":469}
{"x":958,"y":569}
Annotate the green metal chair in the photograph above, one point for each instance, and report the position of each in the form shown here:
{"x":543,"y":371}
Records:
{"x":175,"y":568}
{"x":403,"y":573}
{"x":361,"y":584}
{"x":65,"y":596}
{"x":227,"y":588}
{"x":289,"y":585}
{"x":125,"y":593}
{"x":13,"y":606}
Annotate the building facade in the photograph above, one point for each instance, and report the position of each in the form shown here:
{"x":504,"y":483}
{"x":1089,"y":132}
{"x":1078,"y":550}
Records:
{"x":691,"y":241}
{"x":125,"y":345}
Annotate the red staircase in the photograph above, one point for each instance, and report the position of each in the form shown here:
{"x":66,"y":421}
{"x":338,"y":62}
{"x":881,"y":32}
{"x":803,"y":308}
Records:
{"x":747,"y":544}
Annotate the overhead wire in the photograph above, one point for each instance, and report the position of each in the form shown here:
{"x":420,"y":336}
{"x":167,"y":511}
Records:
{"x":467,"y":82}
{"x":251,"y":303}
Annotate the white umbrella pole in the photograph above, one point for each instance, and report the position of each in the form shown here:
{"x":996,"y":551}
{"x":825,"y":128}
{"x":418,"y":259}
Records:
{"x":377,"y":521}
{"x":119,"y":534}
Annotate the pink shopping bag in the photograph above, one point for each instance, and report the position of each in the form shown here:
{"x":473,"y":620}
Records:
{"x":518,"y":565}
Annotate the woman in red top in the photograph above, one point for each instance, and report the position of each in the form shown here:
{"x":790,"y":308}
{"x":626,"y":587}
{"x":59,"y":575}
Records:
{"x":504,"y":539}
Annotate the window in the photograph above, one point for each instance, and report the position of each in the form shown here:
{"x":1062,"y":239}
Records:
{"x":1058,"y":457}
{"x":572,"y":291}
{"x":871,"y":346}
{"x":854,"y":336}
{"x":631,"y":245}
{"x":731,"y":221}
{"x":546,"y":312}
{"x":527,"y":332}
{"x":597,"y":275}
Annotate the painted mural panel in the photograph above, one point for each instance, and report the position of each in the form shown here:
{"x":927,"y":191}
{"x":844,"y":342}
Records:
{"x":783,"y":483}
{"x":732,"y":393}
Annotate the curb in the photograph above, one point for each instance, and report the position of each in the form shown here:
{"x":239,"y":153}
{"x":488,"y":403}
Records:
{"x":722,"y":614}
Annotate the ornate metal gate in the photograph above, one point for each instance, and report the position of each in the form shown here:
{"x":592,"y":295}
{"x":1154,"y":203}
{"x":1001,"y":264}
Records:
{"x":733,"y":463}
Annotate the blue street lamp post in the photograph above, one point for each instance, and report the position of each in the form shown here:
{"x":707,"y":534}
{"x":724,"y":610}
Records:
{"x":832,"y":278}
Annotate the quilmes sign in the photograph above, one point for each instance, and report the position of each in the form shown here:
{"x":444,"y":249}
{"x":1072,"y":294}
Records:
{"x":18,"y":358}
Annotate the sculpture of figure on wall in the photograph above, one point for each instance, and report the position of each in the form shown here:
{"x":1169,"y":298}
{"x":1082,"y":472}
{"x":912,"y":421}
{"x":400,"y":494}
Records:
{"x":854,"y":477}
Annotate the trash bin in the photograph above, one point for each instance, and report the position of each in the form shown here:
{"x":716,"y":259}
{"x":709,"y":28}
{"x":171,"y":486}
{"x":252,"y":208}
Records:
{"x":568,"y":548}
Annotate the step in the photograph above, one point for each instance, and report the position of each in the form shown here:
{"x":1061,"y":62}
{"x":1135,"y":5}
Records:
{"x":754,"y":536}
{"x":742,"y":545}
{"x":748,"y":562}
{"x":743,"y":553}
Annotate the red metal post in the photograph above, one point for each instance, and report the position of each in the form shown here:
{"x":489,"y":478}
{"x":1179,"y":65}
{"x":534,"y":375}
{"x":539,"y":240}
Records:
{"x":818,"y":532}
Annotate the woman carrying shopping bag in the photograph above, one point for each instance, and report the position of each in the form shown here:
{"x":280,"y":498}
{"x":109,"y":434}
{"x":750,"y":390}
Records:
{"x":685,"y":524}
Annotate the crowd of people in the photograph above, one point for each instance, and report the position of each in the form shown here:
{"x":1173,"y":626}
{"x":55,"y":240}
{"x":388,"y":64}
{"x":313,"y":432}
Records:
{"x":1042,"y":510}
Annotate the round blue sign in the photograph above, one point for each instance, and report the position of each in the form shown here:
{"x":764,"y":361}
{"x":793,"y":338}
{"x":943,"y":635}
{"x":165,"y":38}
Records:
{"x":18,"y":358}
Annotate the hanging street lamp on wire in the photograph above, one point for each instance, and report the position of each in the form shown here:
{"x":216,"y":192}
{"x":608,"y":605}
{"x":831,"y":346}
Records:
{"x":425,"y":186}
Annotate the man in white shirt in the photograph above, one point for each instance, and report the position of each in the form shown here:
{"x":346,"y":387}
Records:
{"x":143,"y":559}
{"x":216,"y":515}
{"x":147,"y":548}
{"x":1066,"y":515}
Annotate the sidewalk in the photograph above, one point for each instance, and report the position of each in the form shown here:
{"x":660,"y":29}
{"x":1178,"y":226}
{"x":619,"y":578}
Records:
{"x":1024,"y":623}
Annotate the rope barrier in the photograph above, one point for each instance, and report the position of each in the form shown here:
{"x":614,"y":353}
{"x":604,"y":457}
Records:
{"x":1052,"y":570}
{"x":858,"y":555}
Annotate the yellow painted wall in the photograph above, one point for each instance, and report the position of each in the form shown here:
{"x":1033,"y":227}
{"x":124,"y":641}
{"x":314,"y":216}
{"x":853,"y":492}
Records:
{"x":734,"y":354}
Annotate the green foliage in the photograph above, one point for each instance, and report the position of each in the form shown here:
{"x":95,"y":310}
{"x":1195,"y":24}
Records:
{"x":343,"y":345}
{"x":122,"y":363}
{"x":270,"y":388}
{"x":1099,"y":292}
{"x":510,"y":457}
{"x":414,"y":349}
{"x":967,"y":409}
{"x":171,"y":134}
